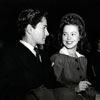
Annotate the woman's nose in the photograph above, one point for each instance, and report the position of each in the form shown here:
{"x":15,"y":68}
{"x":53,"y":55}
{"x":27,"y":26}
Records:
{"x":68,"y":37}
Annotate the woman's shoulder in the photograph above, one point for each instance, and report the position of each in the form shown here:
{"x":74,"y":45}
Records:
{"x":82,"y":57}
{"x":55,"y":55}
{"x":58,"y":57}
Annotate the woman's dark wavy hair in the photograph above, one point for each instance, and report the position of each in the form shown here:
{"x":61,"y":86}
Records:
{"x":29,"y":16}
{"x":73,"y":19}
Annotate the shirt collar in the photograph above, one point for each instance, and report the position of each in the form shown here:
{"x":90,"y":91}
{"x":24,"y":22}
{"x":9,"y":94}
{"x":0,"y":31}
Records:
{"x":27,"y":45}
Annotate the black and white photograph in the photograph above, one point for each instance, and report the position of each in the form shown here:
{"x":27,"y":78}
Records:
{"x":49,"y":50}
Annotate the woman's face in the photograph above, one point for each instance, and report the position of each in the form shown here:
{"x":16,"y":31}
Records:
{"x":70,"y":36}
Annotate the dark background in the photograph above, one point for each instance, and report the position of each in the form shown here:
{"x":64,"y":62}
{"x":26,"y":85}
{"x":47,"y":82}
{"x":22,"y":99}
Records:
{"x":88,"y":9}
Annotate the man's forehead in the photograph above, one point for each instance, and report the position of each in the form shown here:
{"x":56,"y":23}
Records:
{"x":44,"y":21}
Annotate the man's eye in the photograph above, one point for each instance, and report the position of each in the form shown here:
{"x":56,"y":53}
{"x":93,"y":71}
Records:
{"x":44,"y":28}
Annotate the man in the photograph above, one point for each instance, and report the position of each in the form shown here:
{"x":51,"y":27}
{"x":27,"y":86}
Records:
{"x":94,"y":66}
{"x":22,"y":74}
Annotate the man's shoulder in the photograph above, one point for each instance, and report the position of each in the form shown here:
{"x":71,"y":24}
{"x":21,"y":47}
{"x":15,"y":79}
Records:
{"x":11,"y":49}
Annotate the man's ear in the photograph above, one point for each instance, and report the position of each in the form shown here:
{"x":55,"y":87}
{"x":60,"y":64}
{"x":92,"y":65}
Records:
{"x":29,"y":29}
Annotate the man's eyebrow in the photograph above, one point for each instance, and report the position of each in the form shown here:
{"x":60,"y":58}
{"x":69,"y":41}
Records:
{"x":45,"y":25}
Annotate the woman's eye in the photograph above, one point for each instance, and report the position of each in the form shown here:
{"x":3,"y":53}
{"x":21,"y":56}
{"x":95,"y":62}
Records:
{"x":73,"y":34}
{"x":64,"y":34}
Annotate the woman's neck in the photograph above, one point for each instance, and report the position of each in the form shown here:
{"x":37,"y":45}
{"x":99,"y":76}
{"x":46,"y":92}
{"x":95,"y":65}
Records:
{"x":72,"y":52}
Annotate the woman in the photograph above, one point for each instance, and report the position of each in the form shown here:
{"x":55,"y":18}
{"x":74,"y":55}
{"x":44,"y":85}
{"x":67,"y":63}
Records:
{"x":69,"y":65}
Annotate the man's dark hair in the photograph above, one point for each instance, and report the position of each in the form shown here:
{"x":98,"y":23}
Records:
{"x":29,"y":16}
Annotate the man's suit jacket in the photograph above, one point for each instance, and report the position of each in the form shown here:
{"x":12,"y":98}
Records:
{"x":96,"y":66}
{"x":20,"y":72}
{"x":93,"y":71}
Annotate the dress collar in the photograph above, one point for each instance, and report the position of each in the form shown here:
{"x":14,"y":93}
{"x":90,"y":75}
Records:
{"x":63,"y":50}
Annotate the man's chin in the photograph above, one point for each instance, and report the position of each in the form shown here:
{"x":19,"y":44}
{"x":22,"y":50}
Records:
{"x":42,"y":43}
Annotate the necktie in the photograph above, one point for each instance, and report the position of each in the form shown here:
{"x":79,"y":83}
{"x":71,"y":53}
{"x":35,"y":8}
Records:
{"x":37,"y":53}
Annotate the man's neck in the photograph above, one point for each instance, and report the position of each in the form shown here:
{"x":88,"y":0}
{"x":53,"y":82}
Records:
{"x":25,"y":39}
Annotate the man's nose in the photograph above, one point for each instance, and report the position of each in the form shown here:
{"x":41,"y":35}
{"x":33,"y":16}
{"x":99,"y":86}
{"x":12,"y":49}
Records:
{"x":47,"y":33}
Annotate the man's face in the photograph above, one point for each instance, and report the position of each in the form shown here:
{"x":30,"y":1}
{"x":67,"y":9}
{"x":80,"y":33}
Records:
{"x":40,"y":32}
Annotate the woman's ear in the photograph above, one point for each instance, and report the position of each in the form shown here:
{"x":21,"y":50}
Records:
{"x":80,"y":38}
